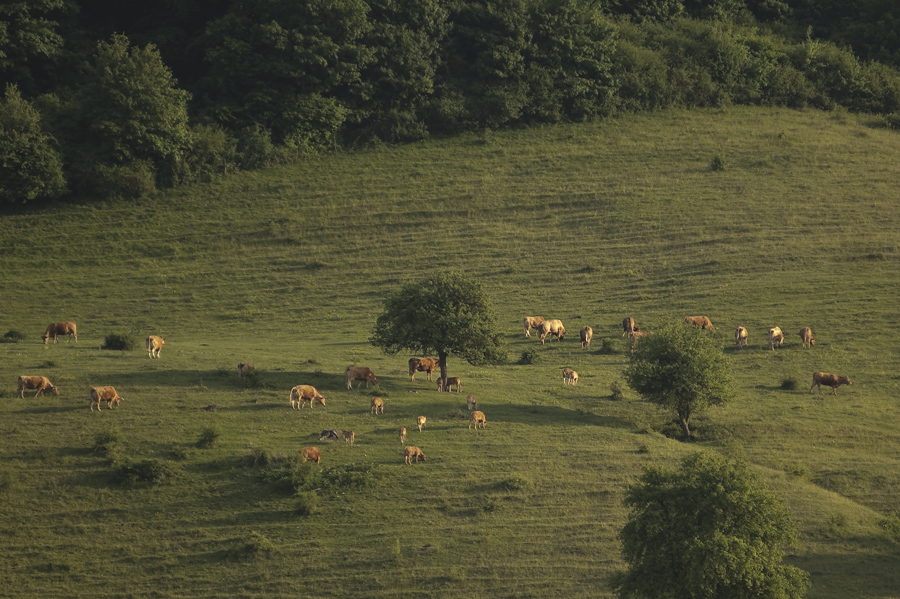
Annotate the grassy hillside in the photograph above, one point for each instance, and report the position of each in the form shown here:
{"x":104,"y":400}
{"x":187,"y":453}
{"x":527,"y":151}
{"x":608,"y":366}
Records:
{"x":288,"y":269}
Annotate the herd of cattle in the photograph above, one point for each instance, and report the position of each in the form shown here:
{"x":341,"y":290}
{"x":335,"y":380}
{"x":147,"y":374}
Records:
{"x":301,"y":395}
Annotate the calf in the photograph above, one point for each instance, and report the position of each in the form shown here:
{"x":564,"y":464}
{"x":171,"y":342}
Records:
{"x":349,"y":436}
{"x":830,"y":380}
{"x":41,"y":383}
{"x":472,"y":403}
{"x":532,"y":322}
{"x":587,"y":333}
{"x":628,"y":326}
{"x":452,"y":381}
{"x":413,"y":452}
{"x":107,"y":394}
{"x":776,"y":337}
{"x":700,"y":321}
{"x":570,"y":377}
{"x":420,"y":422}
{"x":244,"y":369}
{"x":154,"y":345}
{"x":402,"y":434}
{"x":302,"y":394}
{"x":311,"y":454}
{"x":740,"y":337}
{"x":55,"y":329}
{"x":360,"y":373}
{"x":377,"y":404}
{"x":806,"y":337}
{"x":475,"y":418}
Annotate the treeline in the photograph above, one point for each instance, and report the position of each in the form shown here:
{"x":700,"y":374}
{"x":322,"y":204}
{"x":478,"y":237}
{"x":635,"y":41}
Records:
{"x":116,"y":99}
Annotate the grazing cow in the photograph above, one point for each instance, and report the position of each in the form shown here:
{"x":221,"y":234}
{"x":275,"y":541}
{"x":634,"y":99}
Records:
{"x":831,"y":380}
{"x":427,"y":365}
{"x":532,"y":322}
{"x":570,"y":377}
{"x":305,"y":393}
{"x":55,"y":329}
{"x":413,"y":452}
{"x":377,"y":404}
{"x":472,"y":403}
{"x":349,"y":436}
{"x":107,"y":394}
{"x":806,"y":337}
{"x":700,"y":321}
{"x":41,"y":383}
{"x":244,"y":369}
{"x":776,"y":337}
{"x":628,"y":326}
{"x":329,"y":435}
{"x":420,"y":422}
{"x":587,"y":333}
{"x":740,"y":337}
{"x":452,"y":381}
{"x":360,"y":373}
{"x":637,"y":334}
{"x":476,"y":417}
{"x":154,"y":345}
{"x":554,"y":328}
{"x":311,"y":454}
{"x":402,"y":434}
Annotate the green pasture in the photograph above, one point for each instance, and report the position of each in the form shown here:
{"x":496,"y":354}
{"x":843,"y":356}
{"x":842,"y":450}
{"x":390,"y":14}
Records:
{"x":288,"y":269}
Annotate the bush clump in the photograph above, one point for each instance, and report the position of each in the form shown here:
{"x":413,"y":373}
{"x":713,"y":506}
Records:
{"x":12,"y":336}
{"x":529,"y":356}
{"x":616,"y":393}
{"x":145,"y":471}
{"x":607,"y":346}
{"x":208,"y":438}
{"x":789,"y":384}
{"x":118,"y":342}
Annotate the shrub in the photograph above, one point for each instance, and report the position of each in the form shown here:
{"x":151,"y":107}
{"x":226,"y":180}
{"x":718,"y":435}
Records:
{"x":13,"y":336}
{"x":349,"y":476}
{"x":518,"y":483}
{"x":717,"y":163}
{"x":107,"y":442}
{"x":615,"y":391}
{"x":529,"y":356}
{"x":258,"y":545}
{"x":891,"y":525}
{"x":146,"y":471}
{"x":127,"y":181}
{"x":607,"y":346}
{"x":306,"y":502}
{"x":208,"y":438}
{"x":789,"y":384}
{"x":892,"y":121}
{"x":119,"y":342}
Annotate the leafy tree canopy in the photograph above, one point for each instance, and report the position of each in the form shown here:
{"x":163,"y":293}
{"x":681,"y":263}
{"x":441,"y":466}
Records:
{"x":708,"y":531}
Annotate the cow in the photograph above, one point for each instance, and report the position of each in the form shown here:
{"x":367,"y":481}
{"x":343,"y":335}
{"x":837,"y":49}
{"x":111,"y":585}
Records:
{"x":776,"y":337}
{"x":154,"y":345}
{"x":554,"y":328}
{"x":740,"y":337}
{"x":305,"y":393}
{"x":107,"y":394}
{"x":637,"y":334}
{"x":587,"y":333}
{"x":311,"y":454}
{"x":420,"y":422}
{"x":55,"y":329}
{"x":831,"y":380}
{"x":700,"y":321}
{"x":628,"y":326}
{"x":427,"y":365}
{"x":244,"y":369}
{"x":413,"y":452}
{"x":360,"y":373}
{"x":377,"y":404}
{"x":570,"y":377}
{"x":402,"y":435}
{"x":41,"y":383}
{"x":472,"y":403}
{"x":532,"y":322}
{"x":476,"y":417}
{"x":452,"y":381}
{"x":329,"y":435}
{"x":349,"y":437}
{"x":806,"y":337}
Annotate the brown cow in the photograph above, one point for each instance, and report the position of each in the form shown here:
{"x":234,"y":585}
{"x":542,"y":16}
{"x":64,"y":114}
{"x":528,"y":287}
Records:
{"x":452,"y":381}
{"x":570,"y":377}
{"x":587,"y":333}
{"x":740,"y":337}
{"x":427,"y":365}
{"x":154,"y":345}
{"x":41,"y":383}
{"x":700,"y":321}
{"x":402,"y":434}
{"x":420,"y":422}
{"x":413,"y":452}
{"x":806,"y":337}
{"x":831,"y":380}
{"x":476,"y":417}
{"x":244,"y":369}
{"x":532,"y":322}
{"x":107,"y":394}
{"x":377,"y":404}
{"x":628,"y":326}
{"x":360,"y":373}
{"x":311,"y":454}
{"x":55,"y":329}
{"x":349,"y":437}
{"x":554,"y":328}
{"x":472,"y":403}
{"x":305,"y":393}
{"x":776,"y":337}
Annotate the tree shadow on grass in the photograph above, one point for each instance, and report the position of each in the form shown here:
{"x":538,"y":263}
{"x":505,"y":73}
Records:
{"x":556,"y":415}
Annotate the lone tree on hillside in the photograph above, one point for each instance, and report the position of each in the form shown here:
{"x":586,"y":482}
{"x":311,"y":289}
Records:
{"x":706,"y":532}
{"x":447,"y":313}
{"x":680,"y":367}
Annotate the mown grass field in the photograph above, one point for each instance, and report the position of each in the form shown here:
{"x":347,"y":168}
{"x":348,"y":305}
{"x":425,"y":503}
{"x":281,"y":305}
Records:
{"x":288,"y":269}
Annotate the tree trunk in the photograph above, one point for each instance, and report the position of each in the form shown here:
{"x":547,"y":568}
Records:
{"x":685,"y":427}
{"x":442,"y":358}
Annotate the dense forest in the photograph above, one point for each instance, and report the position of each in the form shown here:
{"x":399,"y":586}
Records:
{"x":116,"y":99}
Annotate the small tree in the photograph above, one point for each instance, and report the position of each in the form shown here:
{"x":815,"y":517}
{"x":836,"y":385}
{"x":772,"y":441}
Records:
{"x":680,"y":367}
{"x":447,"y":314}
{"x":706,"y":532}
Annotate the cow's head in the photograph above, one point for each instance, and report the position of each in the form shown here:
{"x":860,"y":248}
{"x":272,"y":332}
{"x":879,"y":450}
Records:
{"x":45,"y":337}
{"x":54,"y":390}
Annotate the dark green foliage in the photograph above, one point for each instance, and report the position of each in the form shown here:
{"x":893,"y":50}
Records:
{"x":789,"y":384}
{"x":348,"y":476}
{"x":213,"y":154}
{"x":119,"y":342}
{"x":607,"y":347}
{"x":305,"y":503}
{"x":615,"y":391}
{"x":209,"y":437}
{"x":12,"y":336}
{"x":707,"y":531}
{"x":717,"y":163}
{"x":530,"y":356}
{"x":30,"y":165}
{"x":150,"y":471}
{"x":680,"y":367}
{"x":108,"y":443}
